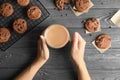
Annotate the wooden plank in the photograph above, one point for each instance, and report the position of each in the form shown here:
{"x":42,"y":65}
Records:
{"x":9,"y":74}
{"x":105,"y":75}
{"x":55,"y":74}
{"x":74,"y":23}
{"x":49,"y":4}
{"x":60,"y":59}
{"x":61,"y":74}
{"x":30,"y":40}
{"x":67,"y":17}
{"x":60,"y":67}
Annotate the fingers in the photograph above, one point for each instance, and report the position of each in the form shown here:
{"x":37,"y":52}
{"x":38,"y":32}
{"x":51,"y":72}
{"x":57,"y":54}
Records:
{"x":80,"y":38}
{"x":81,"y":41}
{"x":75,"y":40}
{"x":43,"y":42}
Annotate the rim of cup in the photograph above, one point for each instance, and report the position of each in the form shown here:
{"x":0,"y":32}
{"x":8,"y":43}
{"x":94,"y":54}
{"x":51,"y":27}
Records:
{"x":54,"y":25}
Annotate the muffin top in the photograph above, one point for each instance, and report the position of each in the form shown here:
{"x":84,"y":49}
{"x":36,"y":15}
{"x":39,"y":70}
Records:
{"x":103,"y":41}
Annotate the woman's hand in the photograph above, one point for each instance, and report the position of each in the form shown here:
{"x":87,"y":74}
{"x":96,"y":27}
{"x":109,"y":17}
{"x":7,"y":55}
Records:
{"x":77,"y":48}
{"x":42,"y":57}
{"x":77,"y":52}
{"x":43,"y":51}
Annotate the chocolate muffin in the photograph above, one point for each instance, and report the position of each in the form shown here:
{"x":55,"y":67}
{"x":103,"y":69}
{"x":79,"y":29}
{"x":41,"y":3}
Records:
{"x":20,"y":26}
{"x":82,"y":5}
{"x":23,"y":2}
{"x":60,"y":4}
{"x":34,"y":13}
{"x":4,"y":35}
{"x":92,"y":25}
{"x":6,"y":9}
{"x":103,"y":41}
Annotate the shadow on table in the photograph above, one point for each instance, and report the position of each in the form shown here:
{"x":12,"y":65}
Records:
{"x":65,"y":56}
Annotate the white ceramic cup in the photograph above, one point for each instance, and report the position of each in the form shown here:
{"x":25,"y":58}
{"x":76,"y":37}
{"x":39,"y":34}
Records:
{"x":57,"y":36}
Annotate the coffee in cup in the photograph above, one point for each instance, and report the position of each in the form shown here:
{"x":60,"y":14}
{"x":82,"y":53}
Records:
{"x":57,"y":36}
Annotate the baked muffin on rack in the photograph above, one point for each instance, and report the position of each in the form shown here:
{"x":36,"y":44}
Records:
{"x":6,"y":9}
{"x":4,"y":35}
{"x":20,"y":26}
{"x":34,"y":13}
{"x":23,"y":2}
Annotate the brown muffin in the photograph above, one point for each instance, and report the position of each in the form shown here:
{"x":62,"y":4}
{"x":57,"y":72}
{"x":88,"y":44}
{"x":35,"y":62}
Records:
{"x":60,"y":4}
{"x":6,"y":9}
{"x":92,"y":25}
{"x":82,"y":5}
{"x":20,"y":26}
{"x":23,"y":2}
{"x":103,"y":41}
{"x":4,"y":35}
{"x":34,"y":13}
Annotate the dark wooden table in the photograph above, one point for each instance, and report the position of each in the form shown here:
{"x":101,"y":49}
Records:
{"x":59,"y":67}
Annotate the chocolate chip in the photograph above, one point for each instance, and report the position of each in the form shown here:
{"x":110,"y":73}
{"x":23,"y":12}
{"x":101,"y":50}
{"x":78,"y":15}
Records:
{"x":95,"y":28}
{"x":97,"y":22}
{"x":90,"y":34}
{"x":9,"y":7}
{"x":102,"y":3}
{"x":82,"y":21}
{"x":66,"y":14}
{"x":34,"y":8}
{"x":19,"y":29}
{"x":110,"y":27}
{"x":23,"y":22}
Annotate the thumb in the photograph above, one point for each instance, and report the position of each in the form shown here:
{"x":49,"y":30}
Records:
{"x":43,"y":42}
{"x":75,"y":40}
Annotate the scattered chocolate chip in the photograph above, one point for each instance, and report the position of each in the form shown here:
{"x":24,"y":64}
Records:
{"x":82,"y":21}
{"x":66,"y":14}
{"x":95,"y":28}
{"x":102,"y":3}
{"x":90,"y":34}
{"x":110,"y":27}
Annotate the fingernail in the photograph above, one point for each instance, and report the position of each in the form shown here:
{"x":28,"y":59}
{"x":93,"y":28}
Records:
{"x":76,"y":33}
{"x":41,"y":36}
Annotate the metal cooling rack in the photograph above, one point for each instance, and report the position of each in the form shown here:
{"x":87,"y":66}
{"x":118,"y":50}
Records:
{"x":20,"y":12}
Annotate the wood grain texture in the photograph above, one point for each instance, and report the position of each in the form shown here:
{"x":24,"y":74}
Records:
{"x":31,"y":41}
{"x":97,"y":4}
{"x":60,"y":59}
{"x":60,"y":67}
{"x":70,"y":75}
{"x":60,"y":74}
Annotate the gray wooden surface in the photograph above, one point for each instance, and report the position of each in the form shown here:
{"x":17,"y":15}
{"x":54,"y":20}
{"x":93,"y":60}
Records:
{"x":60,"y":67}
